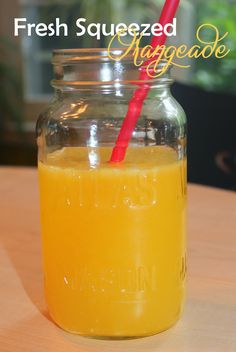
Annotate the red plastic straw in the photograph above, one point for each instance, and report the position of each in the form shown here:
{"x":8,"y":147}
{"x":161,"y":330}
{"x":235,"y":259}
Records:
{"x":135,"y":105}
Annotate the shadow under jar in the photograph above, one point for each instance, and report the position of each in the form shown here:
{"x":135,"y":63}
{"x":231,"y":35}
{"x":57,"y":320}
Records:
{"x":113,"y":234}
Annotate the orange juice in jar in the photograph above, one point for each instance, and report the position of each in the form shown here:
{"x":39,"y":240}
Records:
{"x":113,"y":234}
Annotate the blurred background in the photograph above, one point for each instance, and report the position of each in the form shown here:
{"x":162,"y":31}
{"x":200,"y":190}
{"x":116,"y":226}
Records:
{"x":207,"y":91}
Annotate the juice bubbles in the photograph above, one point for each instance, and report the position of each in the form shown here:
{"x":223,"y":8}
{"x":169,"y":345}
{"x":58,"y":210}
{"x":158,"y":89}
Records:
{"x":113,"y":240}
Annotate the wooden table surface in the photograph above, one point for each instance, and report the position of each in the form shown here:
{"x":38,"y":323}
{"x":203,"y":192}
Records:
{"x":209,"y":320}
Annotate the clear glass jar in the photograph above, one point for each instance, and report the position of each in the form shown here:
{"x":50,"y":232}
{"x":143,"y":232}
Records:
{"x":113,"y":234}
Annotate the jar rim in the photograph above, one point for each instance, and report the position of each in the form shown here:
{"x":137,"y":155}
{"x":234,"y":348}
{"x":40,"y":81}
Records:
{"x":74,"y":55}
{"x":63,"y":58}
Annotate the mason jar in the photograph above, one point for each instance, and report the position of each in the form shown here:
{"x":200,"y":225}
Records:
{"x":113,"y":233}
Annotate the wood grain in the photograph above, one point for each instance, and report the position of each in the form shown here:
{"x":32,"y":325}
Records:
{"x":209,"y":320}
